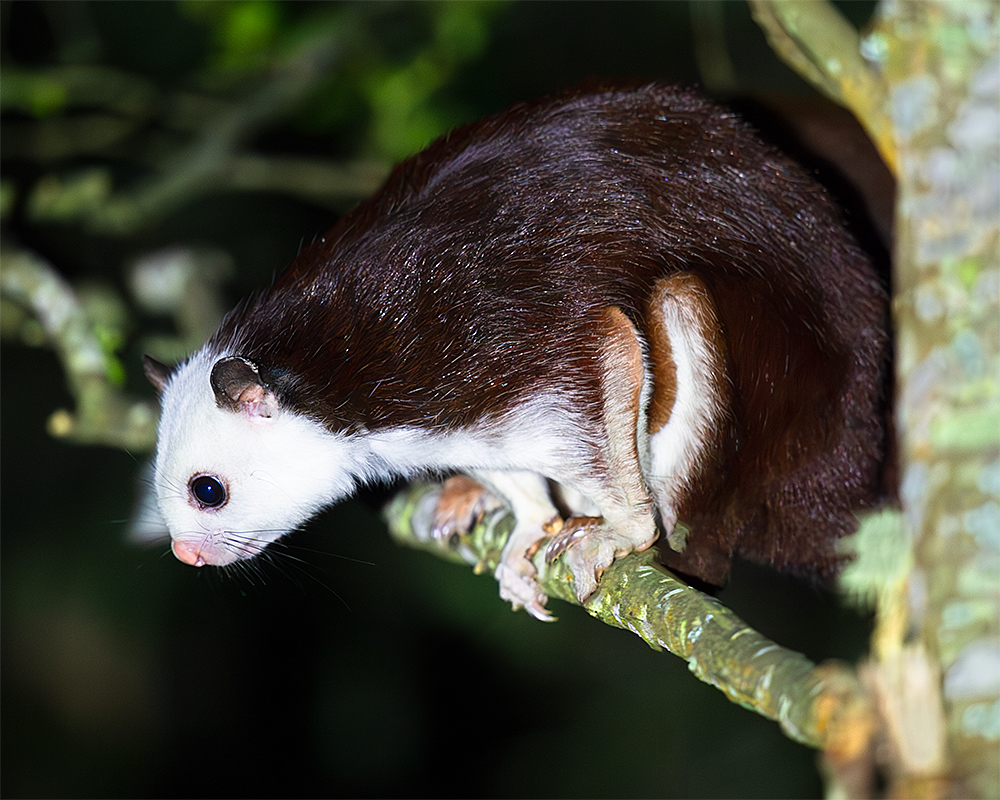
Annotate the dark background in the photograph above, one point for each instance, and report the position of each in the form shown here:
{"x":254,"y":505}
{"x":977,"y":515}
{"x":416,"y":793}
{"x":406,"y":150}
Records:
{"x":360,"y":669}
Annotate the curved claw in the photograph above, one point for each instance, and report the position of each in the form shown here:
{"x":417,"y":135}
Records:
{"x":538,"y":610}
{"x":574,"y":530}
{"x":522,"y":591}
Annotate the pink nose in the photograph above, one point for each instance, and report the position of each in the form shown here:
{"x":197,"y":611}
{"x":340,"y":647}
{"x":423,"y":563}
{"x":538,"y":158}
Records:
{"x":188,"y":553}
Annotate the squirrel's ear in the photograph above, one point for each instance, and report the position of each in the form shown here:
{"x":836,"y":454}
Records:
{"x":157,"y":373}
{"x":238,"y":386}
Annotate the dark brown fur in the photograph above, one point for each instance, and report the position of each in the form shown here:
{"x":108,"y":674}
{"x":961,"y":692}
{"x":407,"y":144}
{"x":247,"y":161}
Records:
{"x":480,"y":272}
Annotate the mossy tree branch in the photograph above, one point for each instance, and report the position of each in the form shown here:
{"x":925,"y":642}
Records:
{"x":822,"y":706}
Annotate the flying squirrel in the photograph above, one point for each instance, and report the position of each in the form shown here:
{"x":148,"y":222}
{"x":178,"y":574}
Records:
{"x":619,"y":312}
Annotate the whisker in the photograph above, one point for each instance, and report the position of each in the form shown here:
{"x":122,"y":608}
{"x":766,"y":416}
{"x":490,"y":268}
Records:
{"x":326,"y":553}
{"x":280,"y":559}
{"x":248,"y":570}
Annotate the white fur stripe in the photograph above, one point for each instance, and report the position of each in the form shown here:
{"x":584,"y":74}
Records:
{"x":687,"y":317}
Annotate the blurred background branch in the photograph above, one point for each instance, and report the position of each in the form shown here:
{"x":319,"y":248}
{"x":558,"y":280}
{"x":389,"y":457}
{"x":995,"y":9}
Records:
{"x":817,"y":41}
{"x":103,"y":414}
{"x":210,"y":160}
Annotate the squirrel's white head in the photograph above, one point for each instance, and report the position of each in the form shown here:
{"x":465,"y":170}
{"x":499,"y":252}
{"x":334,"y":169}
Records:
{"x":234,"y":470}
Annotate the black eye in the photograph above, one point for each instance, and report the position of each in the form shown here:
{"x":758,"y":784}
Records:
{"x":208,"y":491}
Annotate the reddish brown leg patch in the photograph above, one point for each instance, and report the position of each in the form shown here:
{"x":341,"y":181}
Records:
{"x":461,"y":505}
